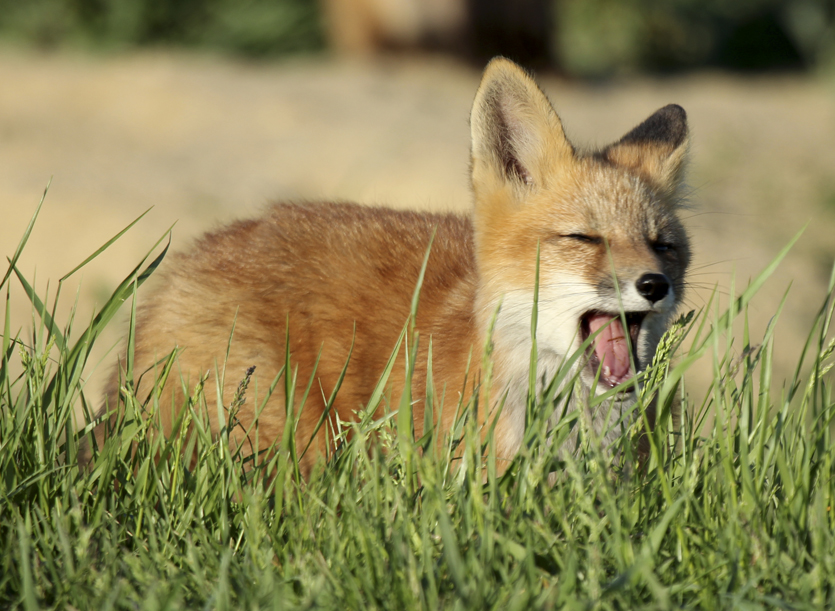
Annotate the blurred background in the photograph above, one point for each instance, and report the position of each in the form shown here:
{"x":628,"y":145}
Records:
{"x":207,"y":110}
{"x":574,"y":37}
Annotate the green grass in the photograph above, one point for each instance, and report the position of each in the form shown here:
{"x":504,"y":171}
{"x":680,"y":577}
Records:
{"x":248,"y":27}
{"x":732,"y":510}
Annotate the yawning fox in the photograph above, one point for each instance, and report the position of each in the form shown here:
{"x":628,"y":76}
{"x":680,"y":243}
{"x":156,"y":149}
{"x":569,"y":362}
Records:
{"x":612,"y":261}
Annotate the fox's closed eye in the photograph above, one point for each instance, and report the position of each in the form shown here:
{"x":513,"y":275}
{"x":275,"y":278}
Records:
{"x":582,"y":237}
{"x":663,"y":247}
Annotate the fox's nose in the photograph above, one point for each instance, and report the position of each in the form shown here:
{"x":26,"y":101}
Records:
{"x":654,"y":287}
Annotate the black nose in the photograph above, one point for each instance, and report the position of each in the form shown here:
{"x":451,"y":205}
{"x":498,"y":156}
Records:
{"x":653,"y":286}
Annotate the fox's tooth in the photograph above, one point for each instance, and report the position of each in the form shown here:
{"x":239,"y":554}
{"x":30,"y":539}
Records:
{"x":607,"y":371}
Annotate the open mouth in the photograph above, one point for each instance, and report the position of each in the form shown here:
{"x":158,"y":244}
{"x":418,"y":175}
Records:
{"x":610,"y":352}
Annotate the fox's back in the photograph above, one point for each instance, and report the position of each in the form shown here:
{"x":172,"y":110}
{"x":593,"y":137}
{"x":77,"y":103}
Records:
{"x":331,"y":276}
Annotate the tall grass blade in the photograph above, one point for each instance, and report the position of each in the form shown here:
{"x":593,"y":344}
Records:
{"x":22,"y":243}
{"x":106,"y":245}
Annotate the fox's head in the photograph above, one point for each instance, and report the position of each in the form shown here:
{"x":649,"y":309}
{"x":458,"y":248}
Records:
{"x":612,"y":249}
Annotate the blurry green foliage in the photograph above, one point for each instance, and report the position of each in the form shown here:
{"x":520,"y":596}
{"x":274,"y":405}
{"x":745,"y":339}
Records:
{"x":588,"y":37}
{"x":597,"y":37}
{"x":253,"y":27}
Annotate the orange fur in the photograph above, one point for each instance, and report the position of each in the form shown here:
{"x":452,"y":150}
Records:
{"x":331,"y":268}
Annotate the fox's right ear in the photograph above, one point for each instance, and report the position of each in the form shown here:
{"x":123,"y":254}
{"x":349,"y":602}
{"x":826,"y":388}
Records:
{"x":516,"y":135}
{"x":656,"y":150}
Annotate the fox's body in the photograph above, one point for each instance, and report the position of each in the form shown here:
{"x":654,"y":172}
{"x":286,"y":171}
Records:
{"x":340,"y":275}
{"x":343,"y":274}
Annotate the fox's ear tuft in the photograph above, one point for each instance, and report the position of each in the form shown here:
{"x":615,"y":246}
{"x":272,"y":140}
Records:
{"x":515,"y":130}
{"x":656,"y":149}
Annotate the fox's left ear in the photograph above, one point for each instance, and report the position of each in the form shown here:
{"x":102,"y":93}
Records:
{"x":517,"y":137}
{"x":656,"y":150}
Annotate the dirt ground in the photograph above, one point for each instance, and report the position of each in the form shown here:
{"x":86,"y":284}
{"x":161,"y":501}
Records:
{"x":204,"y":140}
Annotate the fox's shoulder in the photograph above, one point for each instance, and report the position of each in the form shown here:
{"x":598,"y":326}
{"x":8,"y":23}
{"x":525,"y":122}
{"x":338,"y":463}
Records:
{"x":346,"y":223}
{"x":329,"y":238}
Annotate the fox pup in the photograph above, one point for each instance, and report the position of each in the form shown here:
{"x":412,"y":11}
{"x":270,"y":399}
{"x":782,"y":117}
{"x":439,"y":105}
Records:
{"x":612,"y":249}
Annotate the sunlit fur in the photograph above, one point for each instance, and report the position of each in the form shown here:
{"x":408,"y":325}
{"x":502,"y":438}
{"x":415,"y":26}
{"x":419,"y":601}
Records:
{"x":339,"y":273}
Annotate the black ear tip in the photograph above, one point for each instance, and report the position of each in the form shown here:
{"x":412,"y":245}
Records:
{"x":674,"y":110}
{"x":666,"y":125}
{"x":675,"y":115}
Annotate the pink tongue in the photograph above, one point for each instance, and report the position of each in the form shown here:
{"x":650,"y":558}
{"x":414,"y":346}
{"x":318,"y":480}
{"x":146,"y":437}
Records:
{"x":611,"y":348}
